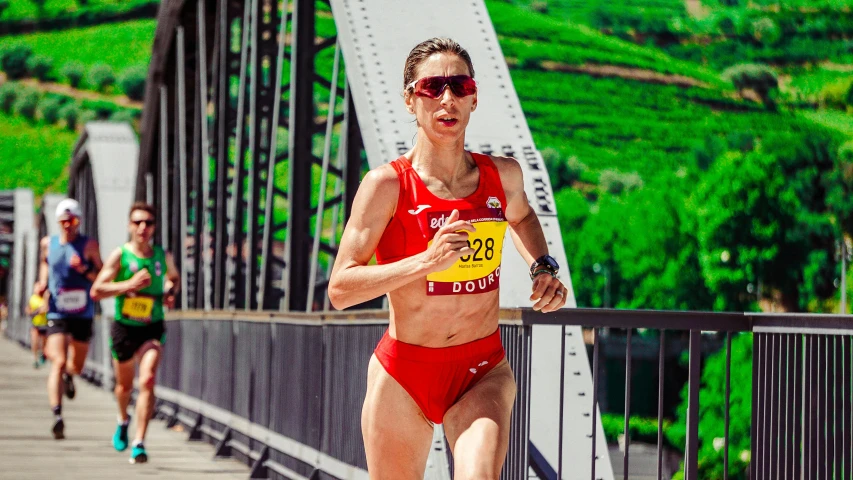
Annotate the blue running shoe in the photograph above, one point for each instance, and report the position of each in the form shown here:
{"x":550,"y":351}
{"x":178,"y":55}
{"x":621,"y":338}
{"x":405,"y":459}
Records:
{"x":120,"y":438}
{"x":138,"y":455}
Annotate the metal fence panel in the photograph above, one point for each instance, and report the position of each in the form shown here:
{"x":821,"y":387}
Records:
{"x":295,"y":400}
{"x":191,"y":376}
{"x":169,"y":372}
{"x":218,"y":363}
{"x":347,"y":351}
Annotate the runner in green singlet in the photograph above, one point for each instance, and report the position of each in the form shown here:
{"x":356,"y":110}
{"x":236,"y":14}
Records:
{"x":143,"y":278}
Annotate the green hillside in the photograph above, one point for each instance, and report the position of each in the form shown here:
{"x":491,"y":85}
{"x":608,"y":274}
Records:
{"x":119,"y":45}
{"x":36,"y":155}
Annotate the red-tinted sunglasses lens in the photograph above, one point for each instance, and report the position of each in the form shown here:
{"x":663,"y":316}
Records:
{"x":432,"y":87}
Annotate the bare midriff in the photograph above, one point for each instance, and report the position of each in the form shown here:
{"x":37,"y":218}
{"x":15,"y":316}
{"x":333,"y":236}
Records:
{"x":441,"y":321}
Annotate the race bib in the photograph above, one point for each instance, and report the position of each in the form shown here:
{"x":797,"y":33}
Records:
{"x":479,"y":271}
{"x":138,"y":308}
{"x":72,"y":300}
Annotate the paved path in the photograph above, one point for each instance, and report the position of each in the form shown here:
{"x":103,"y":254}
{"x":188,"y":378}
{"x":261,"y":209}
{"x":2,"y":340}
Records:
{"x":28,"y":450}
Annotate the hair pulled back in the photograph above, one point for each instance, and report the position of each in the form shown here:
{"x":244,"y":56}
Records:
{"x":430,"y":47}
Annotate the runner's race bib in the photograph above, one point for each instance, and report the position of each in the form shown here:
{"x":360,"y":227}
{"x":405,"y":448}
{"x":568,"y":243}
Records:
{"x":138,"y":308}
{"x":479,"y":271}
{"x":72,"y":300}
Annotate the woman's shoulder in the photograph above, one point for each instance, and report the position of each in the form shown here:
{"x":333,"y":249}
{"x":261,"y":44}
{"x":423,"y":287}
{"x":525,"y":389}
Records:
{"x":384,"y":176}
{"x":507,"y":167}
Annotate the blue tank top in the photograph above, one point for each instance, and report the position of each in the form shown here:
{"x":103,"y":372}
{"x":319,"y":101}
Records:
{"x":69,"y":290}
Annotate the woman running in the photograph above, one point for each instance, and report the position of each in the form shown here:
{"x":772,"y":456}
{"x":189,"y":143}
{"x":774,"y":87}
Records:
{"x":436,"y":218}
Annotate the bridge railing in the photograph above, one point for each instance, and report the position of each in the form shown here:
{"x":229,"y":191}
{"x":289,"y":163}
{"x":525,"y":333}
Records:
{"x":801,"y":398}
{"x":283,"y":392}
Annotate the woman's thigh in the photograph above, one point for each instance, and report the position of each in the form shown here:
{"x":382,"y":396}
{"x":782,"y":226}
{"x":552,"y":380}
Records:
{"x":397,"y":436}
{"x":477,"y":426}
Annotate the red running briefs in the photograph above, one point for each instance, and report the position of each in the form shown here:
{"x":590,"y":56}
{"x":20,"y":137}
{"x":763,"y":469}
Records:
{"x":436,"y":378}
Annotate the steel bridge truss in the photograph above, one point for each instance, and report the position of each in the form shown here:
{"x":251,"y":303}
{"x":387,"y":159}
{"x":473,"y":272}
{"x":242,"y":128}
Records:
{"x":250,"y":150}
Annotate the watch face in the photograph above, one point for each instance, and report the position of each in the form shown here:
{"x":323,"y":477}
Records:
{"x":550,"y":261}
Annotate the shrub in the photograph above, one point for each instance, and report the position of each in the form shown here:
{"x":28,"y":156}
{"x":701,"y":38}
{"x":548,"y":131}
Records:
{"x":101,"y":77}
{"x":71,"y":114}
{"x":838,"y":94}
{"x":766,"y":31}
{"x":616,"y":182}
{"x":132,"y":82}
{"x":642,"y":429}
{"x":13,"y":60}
{"x":757,"y":77}
{"x":27,"y":103}
{"x":123,"y":116}
{"x":87,"y":116}
{"x":8,"y":94}
{"x":540,"y":6}
{"x":40,"y":66}
{"x":49,"y":109}
{"x":73,"y":72}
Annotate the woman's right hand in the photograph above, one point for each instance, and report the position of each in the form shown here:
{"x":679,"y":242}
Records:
{"x":449,"y":244}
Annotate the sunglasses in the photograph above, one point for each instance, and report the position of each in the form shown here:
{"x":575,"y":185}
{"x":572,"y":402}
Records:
{"x":148,"y":223}
{"x":70,"y":221}
{"x":432,"y":87}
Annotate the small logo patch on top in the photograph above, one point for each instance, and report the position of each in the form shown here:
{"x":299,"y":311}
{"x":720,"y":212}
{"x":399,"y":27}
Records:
{"x":493,"y":202}
{"x":419,"y":209}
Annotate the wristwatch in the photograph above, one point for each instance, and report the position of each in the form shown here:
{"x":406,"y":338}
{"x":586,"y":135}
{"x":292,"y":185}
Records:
{"x":545,"y":262}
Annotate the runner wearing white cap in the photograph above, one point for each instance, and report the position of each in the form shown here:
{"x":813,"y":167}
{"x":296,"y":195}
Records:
{"x":69,"y":264}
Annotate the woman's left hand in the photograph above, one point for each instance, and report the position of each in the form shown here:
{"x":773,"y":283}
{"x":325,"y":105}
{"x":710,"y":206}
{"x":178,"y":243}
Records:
{"x":549,"y":293}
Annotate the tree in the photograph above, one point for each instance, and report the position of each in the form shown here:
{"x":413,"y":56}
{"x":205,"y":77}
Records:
{"x":101,"y":77}
{"x":8,"y":94}
{"x":73,"y":72}
{"x":761,"y":215}
{"x":49,"y":108}
{"x":712,"y":418}
{"x":40,"y":66}
{"x":756,"y":77}
{"x":71,"y":114}
{"x":132,"y":82}
{"x":13,"y":60}
{"x":26,"y":103}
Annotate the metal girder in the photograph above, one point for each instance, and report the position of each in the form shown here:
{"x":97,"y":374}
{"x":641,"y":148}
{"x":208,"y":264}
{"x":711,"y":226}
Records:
{"x":239,"y":211}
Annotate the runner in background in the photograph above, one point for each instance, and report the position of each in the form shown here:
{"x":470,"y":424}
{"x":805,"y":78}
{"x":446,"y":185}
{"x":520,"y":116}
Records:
{"x":37,"y":309}
{"x":143,"y":278}
{"x":69,"y":263}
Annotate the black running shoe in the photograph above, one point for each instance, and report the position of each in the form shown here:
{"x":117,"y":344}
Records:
{"x":69,"y":386}
{"x":58,"y":429}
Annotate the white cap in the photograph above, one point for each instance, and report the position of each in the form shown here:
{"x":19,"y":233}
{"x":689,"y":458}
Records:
{"x":69,"y":206}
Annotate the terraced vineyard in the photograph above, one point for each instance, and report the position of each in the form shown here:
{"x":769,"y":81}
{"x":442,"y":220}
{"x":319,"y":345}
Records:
{"x":90,"y":46}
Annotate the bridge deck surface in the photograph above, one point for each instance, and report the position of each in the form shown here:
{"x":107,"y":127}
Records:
{"x":28,"y":450}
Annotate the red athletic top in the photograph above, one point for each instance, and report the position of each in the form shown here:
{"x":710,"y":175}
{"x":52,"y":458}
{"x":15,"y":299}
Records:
{"x":420,"y":214}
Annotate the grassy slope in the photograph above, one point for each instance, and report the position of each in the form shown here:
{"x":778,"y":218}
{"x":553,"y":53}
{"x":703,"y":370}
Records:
{"x":27,"y":9}
{"x":37,"y":154}
{"x":532,"y":36}
{"x":623,"y":124}
{"x":119,"y":45}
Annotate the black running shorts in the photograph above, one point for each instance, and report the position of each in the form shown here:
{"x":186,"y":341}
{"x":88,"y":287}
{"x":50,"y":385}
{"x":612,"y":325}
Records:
{"x":79,"y":328}
{"x":125,"y":340}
